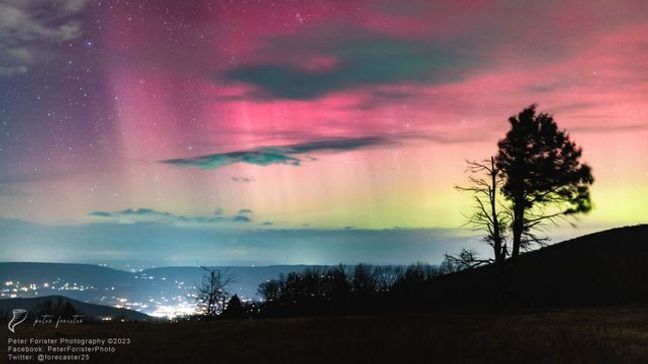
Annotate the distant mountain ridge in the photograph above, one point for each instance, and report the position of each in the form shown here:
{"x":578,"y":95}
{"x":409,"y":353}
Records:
{"x":147,"y":289}
{"x":77,"y":272}
{"x":89,"y":310}
{"x":97,"y":275}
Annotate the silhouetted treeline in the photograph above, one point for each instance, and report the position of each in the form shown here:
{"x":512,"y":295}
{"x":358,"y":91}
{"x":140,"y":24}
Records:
{"x":360,"y":289}
{"x":55,"y":307}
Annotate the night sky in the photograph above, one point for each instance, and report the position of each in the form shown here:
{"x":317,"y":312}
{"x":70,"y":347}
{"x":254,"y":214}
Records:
{"x":240,"y":132}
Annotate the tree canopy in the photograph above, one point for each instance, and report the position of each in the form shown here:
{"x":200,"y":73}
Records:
{"x":544,"y":177}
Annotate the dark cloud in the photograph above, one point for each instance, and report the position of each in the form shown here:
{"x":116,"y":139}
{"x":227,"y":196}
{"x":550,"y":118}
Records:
{"x":360,"y":57}
{"x":151,"y":215}
{"x":289,"y":154}
{"x":295,"y":154}
{"x":100,"y":214}
{"x":455,"y":41}
{"x":261,"y":157}
{"x":241,"y":218}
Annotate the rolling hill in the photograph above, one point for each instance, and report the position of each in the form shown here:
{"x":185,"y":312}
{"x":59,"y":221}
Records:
{"x":600,"y":269}
{"x":89,"y":310}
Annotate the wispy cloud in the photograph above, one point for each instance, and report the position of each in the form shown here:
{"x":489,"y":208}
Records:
{"x":608,"y":128}
{"x":26,"y":24}
{"x":242,"y":179}
{"x":288,"y":154}
{"x":151,"y":215}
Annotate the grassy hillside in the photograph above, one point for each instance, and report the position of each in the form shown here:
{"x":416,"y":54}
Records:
{"x":585,"y":336}
{"x":605,"y":268}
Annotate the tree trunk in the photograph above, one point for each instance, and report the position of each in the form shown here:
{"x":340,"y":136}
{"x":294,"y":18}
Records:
{"x":497,"y":237}
{"x":518,"y":226}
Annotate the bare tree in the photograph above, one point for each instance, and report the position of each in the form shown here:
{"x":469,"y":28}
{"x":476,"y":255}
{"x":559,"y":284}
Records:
{"x":466,"y":259}
{"x":212,"y":295}
{"x":386,"y":277}
{"x":489,"y":216}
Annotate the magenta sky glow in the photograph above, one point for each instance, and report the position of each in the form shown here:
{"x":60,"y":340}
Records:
{"x":312,"y":115}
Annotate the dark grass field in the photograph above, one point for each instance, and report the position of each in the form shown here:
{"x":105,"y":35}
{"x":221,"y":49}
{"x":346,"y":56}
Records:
{"x":613,"y":335}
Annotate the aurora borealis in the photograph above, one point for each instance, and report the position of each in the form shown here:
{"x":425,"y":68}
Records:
{"x":297,"y":131}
